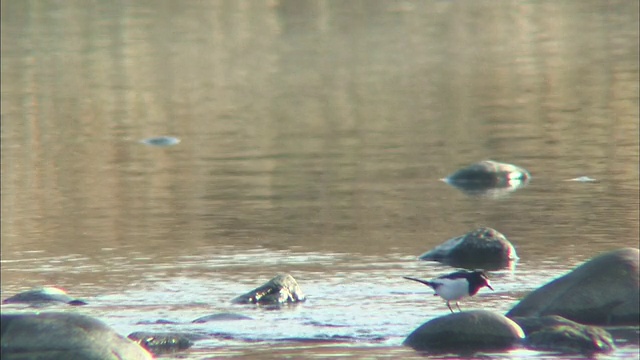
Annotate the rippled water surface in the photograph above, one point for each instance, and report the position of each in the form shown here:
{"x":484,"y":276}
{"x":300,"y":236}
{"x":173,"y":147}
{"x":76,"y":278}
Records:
{"x":308,"y":137}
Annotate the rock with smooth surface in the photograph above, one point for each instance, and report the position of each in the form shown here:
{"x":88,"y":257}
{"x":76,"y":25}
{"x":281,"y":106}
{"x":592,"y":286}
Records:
{"x":163,"y":342}
{"x":282,"y":289}
{"x":466,"y":332}
{"x":221,"y":317}
{"x":64,"y":336}
{"x":483,"y":248}
{"x":555,"y":333}
{"x":43,"y":296}
{"x":489,"y":178}
{"x":603,"y":291}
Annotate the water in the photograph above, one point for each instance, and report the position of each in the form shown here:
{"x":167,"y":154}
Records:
{"x":312,"y":139}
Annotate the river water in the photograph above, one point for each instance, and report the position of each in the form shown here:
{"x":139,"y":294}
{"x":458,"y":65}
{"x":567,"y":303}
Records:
{"x":313,"y":137}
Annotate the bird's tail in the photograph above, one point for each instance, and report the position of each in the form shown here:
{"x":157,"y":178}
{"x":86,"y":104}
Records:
{"x":429,"y":284}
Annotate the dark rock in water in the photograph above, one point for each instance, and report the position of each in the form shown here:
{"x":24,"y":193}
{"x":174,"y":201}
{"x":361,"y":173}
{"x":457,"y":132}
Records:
{"x":63,"y":336}
{"x":161,"y":343}
{"x":555,"y":333}
{"x":42,"y":296}
{"x":161,"y":141}
{"x":489,"y":178}
{"x":483,"y":248}
{"x":603,"y":291}
{"x":279,"y":290}
{"x":157,"y":322}
{"x":221,"y":317}
{"x":466,"y":332}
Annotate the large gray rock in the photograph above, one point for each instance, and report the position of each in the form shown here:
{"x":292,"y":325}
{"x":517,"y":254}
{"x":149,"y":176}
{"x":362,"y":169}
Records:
{"x":483,"y":248}
{"x":466,"y":332}
{"x":63,"y":336}
{"x":489,"y":178}
{"x":42,"y":296}
{"x":281,"y":289}
{"x":555,"y":333}
{"x":603,"y":291}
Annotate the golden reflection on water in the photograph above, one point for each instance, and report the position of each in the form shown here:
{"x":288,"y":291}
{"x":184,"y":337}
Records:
{"x":314,"y":127}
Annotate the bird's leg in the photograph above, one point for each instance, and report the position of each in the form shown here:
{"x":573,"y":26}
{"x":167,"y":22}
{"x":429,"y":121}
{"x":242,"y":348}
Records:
{"x":449,"y":306}
{"x":458,"y":305}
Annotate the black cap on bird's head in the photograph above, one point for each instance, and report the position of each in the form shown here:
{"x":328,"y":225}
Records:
{"x":484,"y":279}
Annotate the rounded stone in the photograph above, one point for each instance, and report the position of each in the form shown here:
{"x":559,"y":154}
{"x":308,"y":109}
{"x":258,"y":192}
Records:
{"x":603,"y":291}
{"x":483,"y":248}
{"x":555,"y":333}
{"x":466,"y":332}
{"x":63,"y":336}
{"x":42,"y":296}
{"x":282,"y":289}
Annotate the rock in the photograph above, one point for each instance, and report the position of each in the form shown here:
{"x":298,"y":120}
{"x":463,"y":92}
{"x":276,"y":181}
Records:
{"x":161,"y":141}
{"x":466,"y":332}
{"x":279,"y":290}
{"x":221,"y":317}
{"x":489,"y":178}
{"x":603,"y":291}
{"x":555,"y":333}
{"x":161,"y":343}
{"x":483,"y":248}
{"x":63,"y":336}
{"x":43,"y":296}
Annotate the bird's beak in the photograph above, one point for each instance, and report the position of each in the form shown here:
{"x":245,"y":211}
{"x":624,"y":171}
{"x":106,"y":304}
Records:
{"x":489,"y":286}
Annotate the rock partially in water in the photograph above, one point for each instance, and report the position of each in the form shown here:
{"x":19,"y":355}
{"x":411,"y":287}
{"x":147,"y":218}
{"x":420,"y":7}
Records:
{"x":604,"y":291}
{"x":555,"y":333}
{"x":41,"y":296}
{"x":584,"y":179}
{"x":282,"y":289}
{"x":161,"y":141}
{"x":489,"y":178}
{"x":466,"y":332}
{"x":62,"y":336}
{"x":221,"y":317}
{"x":163,"y":342}
{"x":483,"y":248}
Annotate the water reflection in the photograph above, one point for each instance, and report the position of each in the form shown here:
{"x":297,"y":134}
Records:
{"x":316,"y":130}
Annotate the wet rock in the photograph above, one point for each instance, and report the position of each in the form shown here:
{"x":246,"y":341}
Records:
{"x":161,"y":141}
{"x":555,"y":333}
{"x":63,"y":336}
{"x":162,"y":343}
{"x":483,"y":248}
{"x":42,"y":296}
{"x":584,"y":179}
{"x":489,"y":178}
{"x":221,"y":317}
{"x":466,"y":332}
{"x":603,"y":291}
{"x":157,"y":322}
{"x":279,"y":290}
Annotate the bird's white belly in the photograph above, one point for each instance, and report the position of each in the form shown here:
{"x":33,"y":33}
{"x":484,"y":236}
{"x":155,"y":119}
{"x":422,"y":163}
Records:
{"x":452,"y":289}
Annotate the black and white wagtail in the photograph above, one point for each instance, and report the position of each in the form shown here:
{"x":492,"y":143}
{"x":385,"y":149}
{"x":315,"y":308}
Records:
{"x":457,"y":285}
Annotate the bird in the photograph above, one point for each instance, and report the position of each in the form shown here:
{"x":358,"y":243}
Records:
{"x":457,"y":285}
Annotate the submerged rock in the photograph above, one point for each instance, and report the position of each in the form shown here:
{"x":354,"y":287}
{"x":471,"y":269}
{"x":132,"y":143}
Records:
{"x":483,"y":248}
{"x":489,"y":178}
{"x":221,"y":317}
{"x":466,"y":332}
{"x":603,"y":291}
{"x":161,"y":141}
{"x":555,"y":333}
{"x":161,"y":343}
{"x":281,"y":289}
{"x":62,"y":336}
{"x":43,"y":296}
